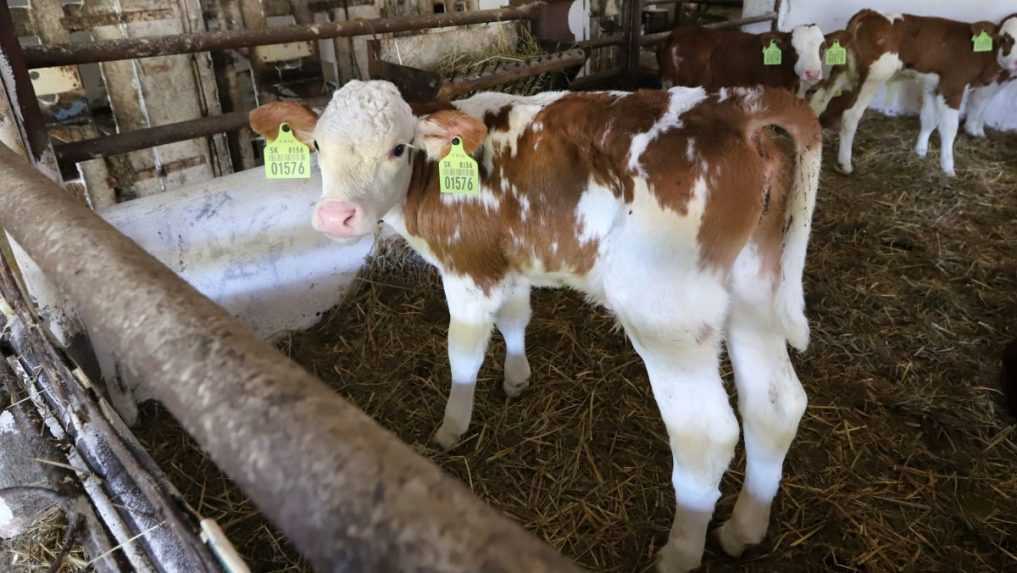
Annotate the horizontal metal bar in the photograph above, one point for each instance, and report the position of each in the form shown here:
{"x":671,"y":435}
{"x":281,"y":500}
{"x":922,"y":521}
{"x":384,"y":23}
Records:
{"x":346,"y":492}
{"x":76,"y":151}
{"x":128,"y":48}
{"x":602,"y":42}
{"x":563,"y":61}
{"x":596,"y":79}
{"x":650,"y":39}
{"x":723,"y":3}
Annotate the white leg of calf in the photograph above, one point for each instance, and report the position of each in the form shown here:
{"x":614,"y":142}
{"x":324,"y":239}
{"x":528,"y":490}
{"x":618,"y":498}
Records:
{"x":930,"y":120}
{"x":978,"y":101}
{"x":513,"y":316}
{"x":471,"y":314}
{"x":852,"y":117}
{"x":703,"y":432}
{"x":949,"y":122}
{"x":771,"y":401}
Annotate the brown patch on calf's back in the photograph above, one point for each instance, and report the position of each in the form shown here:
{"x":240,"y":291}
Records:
{"x":498,"y":121}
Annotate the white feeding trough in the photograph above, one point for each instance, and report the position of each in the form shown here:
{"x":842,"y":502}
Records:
{"x":247,"y":243}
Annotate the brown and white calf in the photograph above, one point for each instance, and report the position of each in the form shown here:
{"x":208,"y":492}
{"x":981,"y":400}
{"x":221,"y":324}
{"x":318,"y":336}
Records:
{"x":714,"y":59}
{"x":940,"y":53}
{"x":677,"y":210}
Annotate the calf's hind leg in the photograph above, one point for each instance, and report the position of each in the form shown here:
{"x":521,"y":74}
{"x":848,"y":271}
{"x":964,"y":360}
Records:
{"x":680,"y":345}
{"x":771,"y":402}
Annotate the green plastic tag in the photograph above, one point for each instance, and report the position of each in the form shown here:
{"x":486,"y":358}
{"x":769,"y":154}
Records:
{"x":458,"y":172}
{"x":772,"y":56}
{"x":836,"y":55}
{"x":982,"y":42}
{"x":287,"y":157}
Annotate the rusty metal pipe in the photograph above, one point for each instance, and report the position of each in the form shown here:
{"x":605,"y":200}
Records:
{"x":650,"y":39}
{"x":75,"y":151}
{"x":349,"y":494}
{"x":128,"y":48}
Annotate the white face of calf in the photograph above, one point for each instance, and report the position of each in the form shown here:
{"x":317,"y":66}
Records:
{"x":1006,"y":56}
{"x":364,"y":140}
{"x":807,"y":42}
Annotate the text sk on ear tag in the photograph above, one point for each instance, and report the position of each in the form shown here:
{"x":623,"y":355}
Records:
{"x":836,"y":55}
{"x":772,"y":56}
{"x":458,"y":172}
{"x":287,"y":157}
{"x":982,"y":42}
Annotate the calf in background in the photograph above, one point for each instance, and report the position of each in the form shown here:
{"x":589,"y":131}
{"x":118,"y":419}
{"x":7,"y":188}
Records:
{"x":714,"y":59}
{"x":937,"y":51}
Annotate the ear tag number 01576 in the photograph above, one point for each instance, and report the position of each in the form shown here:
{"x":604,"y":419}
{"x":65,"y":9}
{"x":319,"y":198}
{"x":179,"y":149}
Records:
{"x":772,"y":56}
{"x":982,"y":42}
{"x":836,"y":55}
{"x":458,"y":172}
{"x":287,"y":157}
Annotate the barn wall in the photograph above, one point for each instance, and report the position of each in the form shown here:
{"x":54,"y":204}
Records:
{"x":901,"y":96}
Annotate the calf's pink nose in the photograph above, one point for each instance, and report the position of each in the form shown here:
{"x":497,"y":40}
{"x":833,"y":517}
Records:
{"x":811,"y":75}
{"x":338,"y":218}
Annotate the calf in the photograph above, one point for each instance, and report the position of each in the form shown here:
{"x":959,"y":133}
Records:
{"x":679,"y":211}
{"x":936,"y":50}
{"x":714,"y":59}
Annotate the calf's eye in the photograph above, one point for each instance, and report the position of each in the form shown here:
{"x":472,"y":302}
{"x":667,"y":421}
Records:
{"x":316,"y":148}
{"x":397,"y":151}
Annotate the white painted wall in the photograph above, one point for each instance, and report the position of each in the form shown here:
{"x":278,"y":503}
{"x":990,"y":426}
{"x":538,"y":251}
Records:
{"x":900,"y":96}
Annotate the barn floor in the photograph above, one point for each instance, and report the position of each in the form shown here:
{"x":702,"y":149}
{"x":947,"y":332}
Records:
{"x":905,"y":459}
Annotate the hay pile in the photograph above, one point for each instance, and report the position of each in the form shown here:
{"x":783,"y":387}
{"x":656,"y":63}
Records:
{"x":521,"y":48}
{"x":905,"y":460}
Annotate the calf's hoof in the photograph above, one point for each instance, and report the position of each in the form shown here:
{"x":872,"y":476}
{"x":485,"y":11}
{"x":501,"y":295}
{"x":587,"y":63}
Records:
{"x":839,"y":168}
{"x":733,"y":543}
{"x":921,"y":150}
{"x":672,"y":559}
{"x":447,"y":436}
{"x":517,"y":376}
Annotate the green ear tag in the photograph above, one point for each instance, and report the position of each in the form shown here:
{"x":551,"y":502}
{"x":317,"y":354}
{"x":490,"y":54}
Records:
{"x":982,"y":42}
{"x":772,"y":55}
{"x":836,"y":55}
{"x":287,"y":157}
{"x":458,"y":172}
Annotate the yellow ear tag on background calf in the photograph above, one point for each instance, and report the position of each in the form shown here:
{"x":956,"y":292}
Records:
{"x":772,"y":56}
{"x":982,"y":42}
{"x":836,"y":55}
{"x":458,"y":172}
{"x":287,"y":157}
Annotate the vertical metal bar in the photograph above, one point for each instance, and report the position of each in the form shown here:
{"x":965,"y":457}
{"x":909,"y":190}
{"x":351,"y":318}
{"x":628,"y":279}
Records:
{"x":633,"y":25}
{"x":775,"y":24}
{"x":18,"y":87}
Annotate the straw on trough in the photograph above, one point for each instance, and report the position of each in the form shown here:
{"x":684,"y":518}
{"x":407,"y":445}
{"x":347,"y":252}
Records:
{"x":905,"y":460}
{"x":509,"y":49}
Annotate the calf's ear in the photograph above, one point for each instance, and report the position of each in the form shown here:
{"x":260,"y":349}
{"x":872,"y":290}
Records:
{"x":436,"y":131}
{"x":267,"y":118}
{"x":777,"y":37}
{"x":989,"y":28}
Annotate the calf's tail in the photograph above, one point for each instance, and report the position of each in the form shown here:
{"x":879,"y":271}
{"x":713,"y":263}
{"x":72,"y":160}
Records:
{"x":780,"y":108}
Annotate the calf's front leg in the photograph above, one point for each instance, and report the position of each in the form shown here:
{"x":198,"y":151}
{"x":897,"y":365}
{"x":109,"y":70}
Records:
{"x":471,"y":318}
{"x":512,"y":318}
